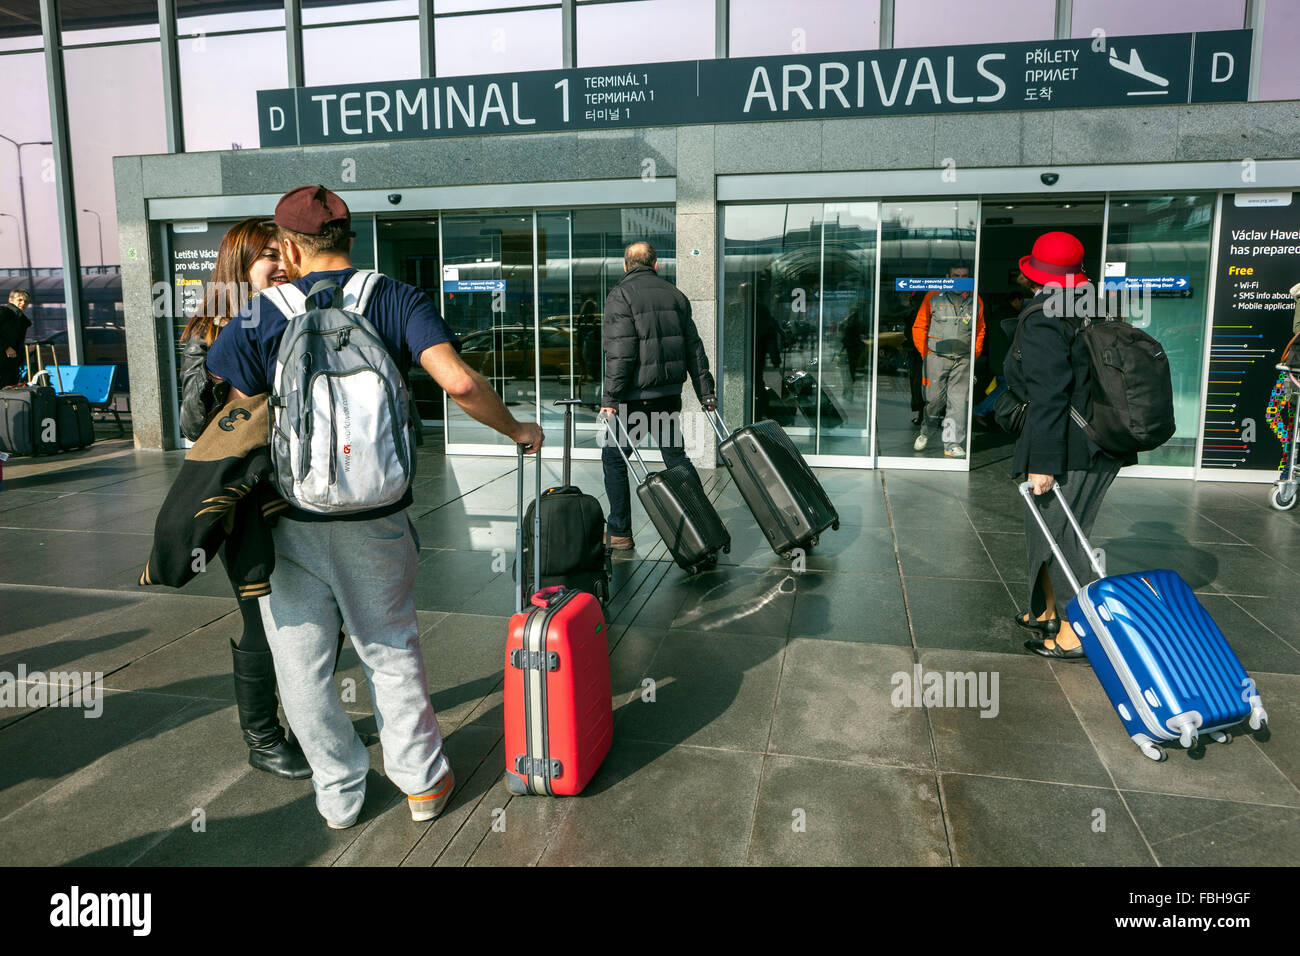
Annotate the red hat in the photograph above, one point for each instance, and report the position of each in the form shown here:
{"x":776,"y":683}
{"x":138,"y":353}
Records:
{"x":1057,"y":259}
{"x":309,"y":209}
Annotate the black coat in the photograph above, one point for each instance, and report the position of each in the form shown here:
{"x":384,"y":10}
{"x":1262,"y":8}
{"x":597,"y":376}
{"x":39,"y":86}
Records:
{"x":650,"y":340}
{"x":1045,"y":366}
{"x":13,"y":329}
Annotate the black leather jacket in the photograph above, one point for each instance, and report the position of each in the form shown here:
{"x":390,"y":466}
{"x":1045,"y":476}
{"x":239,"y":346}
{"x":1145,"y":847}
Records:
{"x":200,"y":395}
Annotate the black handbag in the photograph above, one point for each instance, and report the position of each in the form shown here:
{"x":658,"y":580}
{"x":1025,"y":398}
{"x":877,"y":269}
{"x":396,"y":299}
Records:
{"x":1010,"y":411}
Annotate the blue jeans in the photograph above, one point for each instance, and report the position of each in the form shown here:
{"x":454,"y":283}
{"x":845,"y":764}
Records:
{"x":657,"y":417}
{"x":986,"y":404}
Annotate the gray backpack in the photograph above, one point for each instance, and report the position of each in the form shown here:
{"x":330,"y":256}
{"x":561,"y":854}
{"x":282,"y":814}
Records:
{"x":341,"y":438}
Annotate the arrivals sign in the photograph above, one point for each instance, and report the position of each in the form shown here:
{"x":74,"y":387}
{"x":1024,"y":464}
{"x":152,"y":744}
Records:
{"x":1206,"y":67}
{"x":1259,"y":261}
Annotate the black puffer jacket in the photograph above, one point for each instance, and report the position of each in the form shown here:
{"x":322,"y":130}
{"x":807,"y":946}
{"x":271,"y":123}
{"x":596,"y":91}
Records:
{"x":650,"y":341}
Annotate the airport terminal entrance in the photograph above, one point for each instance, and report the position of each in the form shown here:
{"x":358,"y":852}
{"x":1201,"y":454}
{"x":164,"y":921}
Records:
{"x":873,"y":331}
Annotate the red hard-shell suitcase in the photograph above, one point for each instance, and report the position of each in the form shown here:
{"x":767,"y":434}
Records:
{"x":558,"y":703}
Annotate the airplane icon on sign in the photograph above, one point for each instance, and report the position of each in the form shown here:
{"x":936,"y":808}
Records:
{"x":1133,"y":66}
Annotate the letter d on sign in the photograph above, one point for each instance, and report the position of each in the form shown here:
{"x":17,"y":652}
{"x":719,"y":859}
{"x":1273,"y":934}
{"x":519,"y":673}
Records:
{"x":277,"y":119}
{"x":1230,"y":64}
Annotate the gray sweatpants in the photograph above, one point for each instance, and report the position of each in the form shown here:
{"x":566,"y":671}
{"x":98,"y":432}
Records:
{"x":947,"y":390}
{"x":360,"y":574}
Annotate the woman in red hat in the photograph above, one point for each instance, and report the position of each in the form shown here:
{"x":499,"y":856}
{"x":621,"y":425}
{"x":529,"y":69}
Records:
{"x":1045,"y":368}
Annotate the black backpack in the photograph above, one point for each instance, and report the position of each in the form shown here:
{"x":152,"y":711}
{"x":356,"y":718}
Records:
{"x":572,"y":548}
{"x":1132,"y":390}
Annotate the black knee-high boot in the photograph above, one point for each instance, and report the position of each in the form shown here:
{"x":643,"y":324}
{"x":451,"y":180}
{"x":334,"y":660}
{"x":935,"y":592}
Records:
{"x":268,"y":747}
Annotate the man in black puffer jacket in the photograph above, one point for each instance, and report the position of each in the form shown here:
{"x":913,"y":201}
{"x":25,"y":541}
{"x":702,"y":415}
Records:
{"x":651,"y":345}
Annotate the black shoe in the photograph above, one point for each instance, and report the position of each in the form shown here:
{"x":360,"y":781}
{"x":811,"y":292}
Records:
{"x":268,"y":747}
{"x":1048,"y":628}
{"x":1056,"y":651}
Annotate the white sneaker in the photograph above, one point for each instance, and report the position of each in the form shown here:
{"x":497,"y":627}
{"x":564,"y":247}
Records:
{"x":427,"y":805}
{"x":954,"y":451}
{"x":921,"y":442}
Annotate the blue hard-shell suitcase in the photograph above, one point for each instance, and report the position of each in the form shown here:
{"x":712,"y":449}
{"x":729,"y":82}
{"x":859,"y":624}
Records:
{"x":1163,"y":662}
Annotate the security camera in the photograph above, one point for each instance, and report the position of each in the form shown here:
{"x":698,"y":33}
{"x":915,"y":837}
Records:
{"x":395,"y":198}
{"x":1049,"y":179}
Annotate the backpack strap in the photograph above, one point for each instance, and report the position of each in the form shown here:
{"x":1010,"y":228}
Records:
{"x":358,"y":290}
{"x":288,"y":298}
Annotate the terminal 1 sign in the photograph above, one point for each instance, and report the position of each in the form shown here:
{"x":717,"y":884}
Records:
{"x":1051,"y":74}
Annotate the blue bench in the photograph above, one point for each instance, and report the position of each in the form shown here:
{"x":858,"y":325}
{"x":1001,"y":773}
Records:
{"x":93,"y":381}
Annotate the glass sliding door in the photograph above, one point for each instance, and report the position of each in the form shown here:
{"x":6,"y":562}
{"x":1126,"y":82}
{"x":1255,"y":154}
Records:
{"x":931,"y":329}
{"x":799,"y":292}
{"x":489,"y":299}
{"x":525,"y":291}
{"x":408,"y":251}
{"x":1167,"y":236}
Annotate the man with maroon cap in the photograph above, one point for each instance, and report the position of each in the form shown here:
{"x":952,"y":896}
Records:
{"x":355,"y":569}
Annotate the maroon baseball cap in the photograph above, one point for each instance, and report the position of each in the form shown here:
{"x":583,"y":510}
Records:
{"x":309,"y":209}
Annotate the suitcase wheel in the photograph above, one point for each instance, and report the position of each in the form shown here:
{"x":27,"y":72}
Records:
{"x":515,"y":784}
{"x":1219,"y":737}
{"x":1258,"y":718}
{"x":835,"y":526}
{"x":1151,"y":750}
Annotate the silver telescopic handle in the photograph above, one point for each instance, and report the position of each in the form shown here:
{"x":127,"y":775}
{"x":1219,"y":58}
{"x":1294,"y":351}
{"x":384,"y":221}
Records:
{"x":519,"y":534}
{"x":719,"y":428}
{"x":537,"y":527}
{"x":1027,"y":492}
{"x":645,"y":470}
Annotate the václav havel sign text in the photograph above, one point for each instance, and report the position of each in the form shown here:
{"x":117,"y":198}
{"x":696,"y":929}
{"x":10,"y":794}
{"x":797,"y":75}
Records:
{"x":1051,"y":74}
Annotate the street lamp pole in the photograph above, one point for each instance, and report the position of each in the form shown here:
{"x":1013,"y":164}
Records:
{"x":18,"y":223}
{"x":99,"y":224}
{"x":22,"y":203}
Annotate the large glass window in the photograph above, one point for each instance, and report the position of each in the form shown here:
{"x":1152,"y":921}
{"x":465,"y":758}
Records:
{"x":1168,"y":236}
{"x":115,"y":108}
{"x":1279,"y":67}
{"x":31,"y":256}
{"x":644,"y":31}
{"x":799,"y":291}
{"x":331,"y":11}
{"x":941,"y":22}
{"x":779,"y":28}
{"x":1125,"y":18}
{"x":932,"y":327}
{"x":221,"y":72}
{"x":346,"y":54}
{"x":499,"y":42}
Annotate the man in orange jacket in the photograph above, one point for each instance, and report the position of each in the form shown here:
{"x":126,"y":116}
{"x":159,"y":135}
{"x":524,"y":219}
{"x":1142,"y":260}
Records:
{"x":942,"y":334}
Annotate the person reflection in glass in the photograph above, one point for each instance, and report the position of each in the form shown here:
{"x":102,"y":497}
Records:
{"x":942,"y":334}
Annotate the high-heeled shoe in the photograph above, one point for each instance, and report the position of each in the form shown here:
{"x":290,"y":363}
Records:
{"x":1048,"y":628}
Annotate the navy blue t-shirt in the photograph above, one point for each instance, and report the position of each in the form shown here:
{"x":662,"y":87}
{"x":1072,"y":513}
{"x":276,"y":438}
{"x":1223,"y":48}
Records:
{"x":244,"y":353}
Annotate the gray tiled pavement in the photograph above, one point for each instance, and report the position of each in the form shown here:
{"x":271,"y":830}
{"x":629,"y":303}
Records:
{"x":771,"y":737}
